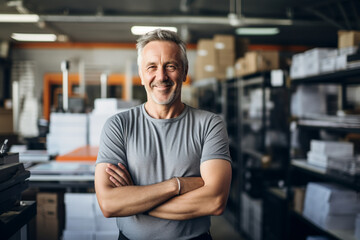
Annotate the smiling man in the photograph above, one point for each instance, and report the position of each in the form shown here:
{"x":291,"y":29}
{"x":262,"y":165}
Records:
{"x":163,"y":167}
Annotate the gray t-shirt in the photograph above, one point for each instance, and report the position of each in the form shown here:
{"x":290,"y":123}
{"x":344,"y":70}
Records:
{"x":154,"y":150}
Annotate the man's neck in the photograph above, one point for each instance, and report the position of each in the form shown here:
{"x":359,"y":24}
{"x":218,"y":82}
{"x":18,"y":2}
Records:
{"x":159,"y":111}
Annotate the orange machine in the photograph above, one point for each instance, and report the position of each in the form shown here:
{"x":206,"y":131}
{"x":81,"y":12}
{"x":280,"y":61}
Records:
{"x":86,"y":153}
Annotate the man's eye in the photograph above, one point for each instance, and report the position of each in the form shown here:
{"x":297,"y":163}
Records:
{"x":171,"y":67}
{"x":150,"y":67}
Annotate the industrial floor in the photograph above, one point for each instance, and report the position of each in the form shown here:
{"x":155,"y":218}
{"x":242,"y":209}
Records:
{"x":221,"y":229}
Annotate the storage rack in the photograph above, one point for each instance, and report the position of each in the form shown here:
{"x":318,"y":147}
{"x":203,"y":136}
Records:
{"x":300,"y":172}
{"x":256,"y":174}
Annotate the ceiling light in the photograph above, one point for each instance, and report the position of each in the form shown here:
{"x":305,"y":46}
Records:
{"x":257,"y":31}
{"x":141,"y":30}
{"x":34,"y":37}
{"x":19,"y":18}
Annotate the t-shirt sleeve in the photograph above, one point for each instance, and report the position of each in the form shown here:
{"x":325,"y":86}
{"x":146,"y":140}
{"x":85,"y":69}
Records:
{"x":112,"y":147}
{"x":216,"y":142}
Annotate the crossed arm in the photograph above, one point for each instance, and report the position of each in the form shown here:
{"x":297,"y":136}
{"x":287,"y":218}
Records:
{"x":199,"y":196}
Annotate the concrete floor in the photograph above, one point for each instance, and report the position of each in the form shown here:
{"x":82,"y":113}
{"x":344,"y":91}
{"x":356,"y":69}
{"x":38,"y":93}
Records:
{"x":221,"y":229}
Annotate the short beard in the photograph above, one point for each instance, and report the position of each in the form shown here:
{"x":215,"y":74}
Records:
{"x":166,"y":102}
{"x":171,"y":98}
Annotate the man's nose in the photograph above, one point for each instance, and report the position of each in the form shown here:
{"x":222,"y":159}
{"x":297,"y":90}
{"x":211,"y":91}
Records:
{"x":161,"y":74}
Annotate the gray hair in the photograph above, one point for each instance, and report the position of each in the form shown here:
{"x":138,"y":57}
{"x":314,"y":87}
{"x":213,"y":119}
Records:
{"x":162,"y":35}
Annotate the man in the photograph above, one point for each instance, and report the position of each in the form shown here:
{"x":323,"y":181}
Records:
{"x":163,"y":167}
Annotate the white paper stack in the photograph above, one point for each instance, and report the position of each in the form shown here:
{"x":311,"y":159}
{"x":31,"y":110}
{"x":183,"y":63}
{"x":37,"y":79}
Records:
{"x":256,"y":104}
{"x":67,"y":132}
{"x":332,"y":148}
{"x":96,"y":123}
{"x":251,"y":216}
{"x":84,"y":219}
{"x":103,"y":109}
{"x":313,"y":62}
{"x":334,"y":155}
{"x":313,"y":58}
{"x":112,"y":105}
{"x":26,"y":155}
{"x":80,"y":216}
{"x":357,"y":227}
{"x":302,"y":101}
{"x":331,"y":206}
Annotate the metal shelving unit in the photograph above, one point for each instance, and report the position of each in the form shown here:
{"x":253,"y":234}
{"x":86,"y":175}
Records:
{"x":311,"y":127}
{"x":264,"y":137}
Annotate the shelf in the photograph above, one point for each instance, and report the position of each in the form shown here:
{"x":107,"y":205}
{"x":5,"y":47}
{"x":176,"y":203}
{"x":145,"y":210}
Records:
{"x":335,"y":234}
{"x":346,"y":180}
{"x":314,"y":123}
{"x":331,"y":78}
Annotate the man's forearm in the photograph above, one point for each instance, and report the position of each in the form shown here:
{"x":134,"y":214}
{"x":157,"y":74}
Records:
{"x":144,"y":198}
{"x":209,"y":199}
{"x":130,"y":200}
{"x":197,"y":203}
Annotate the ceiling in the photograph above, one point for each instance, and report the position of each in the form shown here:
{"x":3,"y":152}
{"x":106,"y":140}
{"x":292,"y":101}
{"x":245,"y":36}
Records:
{"x":301,"y":22}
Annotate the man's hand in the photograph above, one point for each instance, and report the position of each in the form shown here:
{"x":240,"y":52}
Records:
{"x":119,"y":175}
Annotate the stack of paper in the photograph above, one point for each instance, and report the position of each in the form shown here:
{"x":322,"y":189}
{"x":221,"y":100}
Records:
{"x":80,"y":216}
{"x":103,"y":109}
{"x":251,"y":216}
{"x":84,"y":219}
{"x":68,"y":131}
{"x":26,"y":155}
{"x":331,"y":206}
{"x":96,"y":123}
{"x":334,"y":155}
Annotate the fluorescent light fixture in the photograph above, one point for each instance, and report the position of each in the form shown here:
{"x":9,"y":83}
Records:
{"x":30,"y":18}
{"x":257,"y":31}
{"x":30,"y":37}
{"x":141,"y":30}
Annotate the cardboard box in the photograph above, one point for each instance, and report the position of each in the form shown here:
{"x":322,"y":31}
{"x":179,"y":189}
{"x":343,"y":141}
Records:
{"x":44,"y":198}
{"x":50,"y":215}
{"x":206,"y":49}
{"x":205,"y":66}
{"x":240,"y":68}
{"x":258,"y":61}
{"x":299,"y":196}
{"x":224,"y":42}
{"x":47,"y":228}
{"x":6,"y":121}
{"x":204,"y":70}
{"x":348,"y":38}
{"x":225,"y":57}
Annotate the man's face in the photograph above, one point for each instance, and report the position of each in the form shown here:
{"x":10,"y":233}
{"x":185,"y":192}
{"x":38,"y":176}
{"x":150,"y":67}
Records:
{"x":162,"y":72}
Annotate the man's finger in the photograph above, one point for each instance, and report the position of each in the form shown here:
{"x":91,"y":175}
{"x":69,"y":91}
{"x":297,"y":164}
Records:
{"x":114,"y":181}
{"x":116,"y":177}
{"x":119,"y":173}
{"x":127,"y":173}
